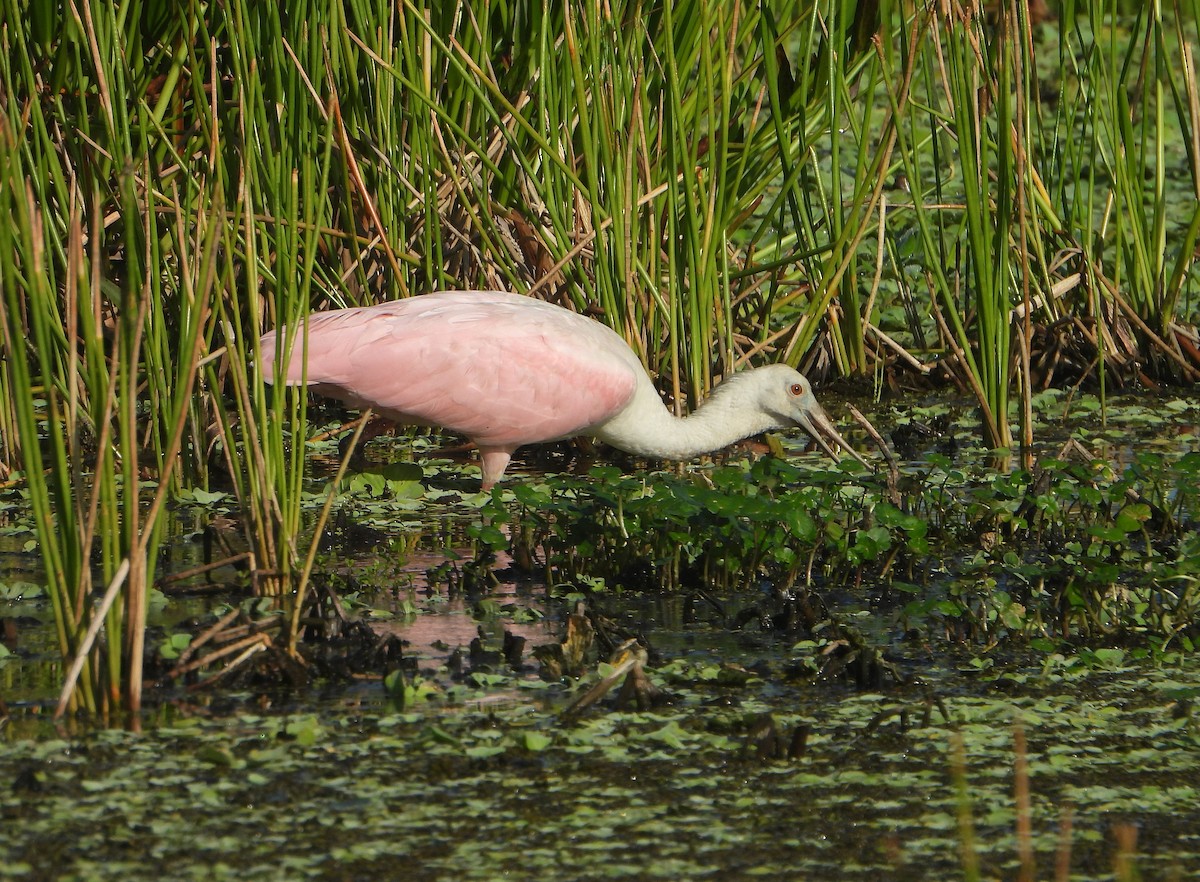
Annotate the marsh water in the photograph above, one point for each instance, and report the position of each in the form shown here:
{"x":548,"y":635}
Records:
{"x":884,"y":737}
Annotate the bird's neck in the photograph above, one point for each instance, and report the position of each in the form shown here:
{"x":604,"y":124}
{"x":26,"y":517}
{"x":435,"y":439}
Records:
{"x":646,"y":428}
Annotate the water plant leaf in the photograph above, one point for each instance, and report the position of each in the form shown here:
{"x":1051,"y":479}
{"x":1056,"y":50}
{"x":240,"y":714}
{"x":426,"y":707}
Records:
{"x":173,"y":646}
{"x":535,"y":741}
{"x":13,"y":591}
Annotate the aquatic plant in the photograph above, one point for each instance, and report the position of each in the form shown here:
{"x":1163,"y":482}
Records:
{"x":1071,"y":550}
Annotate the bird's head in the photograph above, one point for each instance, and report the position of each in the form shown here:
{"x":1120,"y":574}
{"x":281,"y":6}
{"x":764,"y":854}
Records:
{"x":788,"y":397}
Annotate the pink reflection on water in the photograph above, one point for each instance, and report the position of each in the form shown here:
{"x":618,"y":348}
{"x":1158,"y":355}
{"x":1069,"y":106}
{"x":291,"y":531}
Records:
{"x":446,"y":623}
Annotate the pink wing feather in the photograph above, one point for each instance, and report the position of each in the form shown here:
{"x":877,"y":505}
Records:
{"x":503,"y":369}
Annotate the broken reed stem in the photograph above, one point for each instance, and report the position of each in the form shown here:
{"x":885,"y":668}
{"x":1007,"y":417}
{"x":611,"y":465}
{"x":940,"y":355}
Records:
{"x":98,"y":620}
{"x":260,"y":640}
{"x":893,"y":467}
{"x":183,"y":575}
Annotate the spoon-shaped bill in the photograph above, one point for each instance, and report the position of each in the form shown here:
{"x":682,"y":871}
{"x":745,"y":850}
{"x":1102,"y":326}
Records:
{"x":817,"y":423}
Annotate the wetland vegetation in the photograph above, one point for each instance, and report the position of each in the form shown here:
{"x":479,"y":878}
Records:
{"x":226,"y":653}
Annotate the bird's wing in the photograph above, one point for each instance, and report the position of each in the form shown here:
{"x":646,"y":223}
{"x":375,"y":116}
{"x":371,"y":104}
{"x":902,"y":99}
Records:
{"x":502,"y":369}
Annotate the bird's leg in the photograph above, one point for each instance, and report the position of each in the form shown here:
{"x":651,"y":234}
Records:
{"x":495,"y":460}
{"x":586,"y":454}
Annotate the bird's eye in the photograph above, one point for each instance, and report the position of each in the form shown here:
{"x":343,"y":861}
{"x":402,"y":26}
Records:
{"x":797,"y":389}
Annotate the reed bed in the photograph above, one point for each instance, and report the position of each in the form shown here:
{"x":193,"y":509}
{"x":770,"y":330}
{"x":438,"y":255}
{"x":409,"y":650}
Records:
{"x":910,"y":192}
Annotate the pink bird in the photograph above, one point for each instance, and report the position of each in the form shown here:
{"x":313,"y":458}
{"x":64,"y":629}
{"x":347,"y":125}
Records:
{"x":507,"y":370}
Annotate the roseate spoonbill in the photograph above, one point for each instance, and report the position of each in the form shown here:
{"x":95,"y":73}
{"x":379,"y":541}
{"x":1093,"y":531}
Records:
{"x":507,"y":370}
